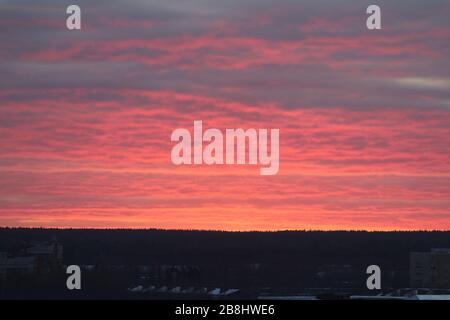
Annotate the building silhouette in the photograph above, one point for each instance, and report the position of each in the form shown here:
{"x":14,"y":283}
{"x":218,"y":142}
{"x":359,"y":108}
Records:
{"x":430,"y":269}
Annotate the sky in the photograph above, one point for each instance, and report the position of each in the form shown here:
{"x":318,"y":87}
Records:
{"x":364,"y":115}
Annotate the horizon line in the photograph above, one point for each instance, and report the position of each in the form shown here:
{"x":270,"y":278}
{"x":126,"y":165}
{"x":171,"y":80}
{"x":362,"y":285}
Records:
{"x":222,"y":231}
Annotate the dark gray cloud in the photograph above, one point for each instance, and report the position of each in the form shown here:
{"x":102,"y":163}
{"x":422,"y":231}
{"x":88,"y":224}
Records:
{"x":292,"y":53}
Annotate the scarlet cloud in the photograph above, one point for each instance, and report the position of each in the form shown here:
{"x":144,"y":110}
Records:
{"x":86,"y":116}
